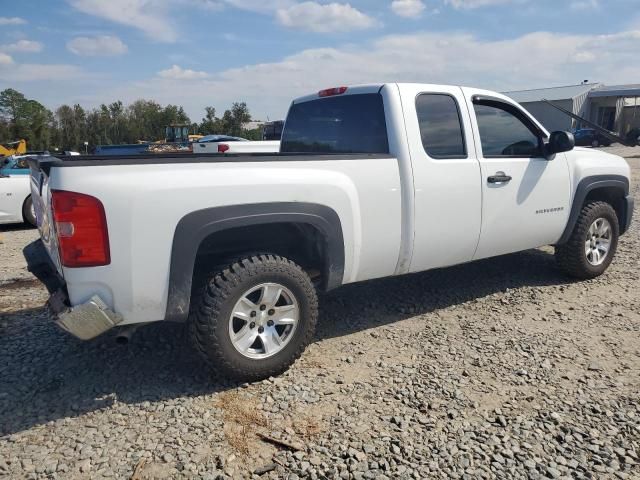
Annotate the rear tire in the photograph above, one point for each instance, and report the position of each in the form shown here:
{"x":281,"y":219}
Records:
{"x":595,"y":143}
{"x":253,"y":319}
{"x":593,"y":242}
{"x":28,"y":212}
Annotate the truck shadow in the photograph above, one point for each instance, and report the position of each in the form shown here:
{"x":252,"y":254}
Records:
{"x":374,"y":303}
{"x":48,"y":375}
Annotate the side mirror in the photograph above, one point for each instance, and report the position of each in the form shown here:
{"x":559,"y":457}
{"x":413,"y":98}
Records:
{"x":560,"y":142}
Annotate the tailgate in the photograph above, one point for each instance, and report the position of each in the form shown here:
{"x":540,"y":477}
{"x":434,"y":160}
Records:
{"x":41,"y":196}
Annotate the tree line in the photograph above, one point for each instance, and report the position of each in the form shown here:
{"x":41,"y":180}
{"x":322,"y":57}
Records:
{"x":68,"y":127}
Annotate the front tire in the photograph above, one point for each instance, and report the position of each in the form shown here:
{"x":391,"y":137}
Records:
{"x":253,"y":319}
{"x":28,"y":212}
{"x":593,"y":242}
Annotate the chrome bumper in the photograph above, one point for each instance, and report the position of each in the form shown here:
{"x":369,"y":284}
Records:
{"x":84,"y":321}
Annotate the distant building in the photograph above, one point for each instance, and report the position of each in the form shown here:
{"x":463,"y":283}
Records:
{"x":252,"y":125}
{"x":273,"y":130}
{"x":616,"y":108}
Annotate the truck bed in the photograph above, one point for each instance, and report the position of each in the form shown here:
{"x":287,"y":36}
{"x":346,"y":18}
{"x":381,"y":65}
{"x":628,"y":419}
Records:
{"x":168,"y":158}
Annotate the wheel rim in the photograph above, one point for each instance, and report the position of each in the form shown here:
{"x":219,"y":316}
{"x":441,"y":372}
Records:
{"x":598,"y":242}
{"x":263,"y":321}
{"x":32,"y":210}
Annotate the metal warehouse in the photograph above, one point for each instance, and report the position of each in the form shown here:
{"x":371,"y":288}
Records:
{"x":616,"y":108}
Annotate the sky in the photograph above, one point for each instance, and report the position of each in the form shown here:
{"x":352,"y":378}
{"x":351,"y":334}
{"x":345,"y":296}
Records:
{"x":199,"y":53}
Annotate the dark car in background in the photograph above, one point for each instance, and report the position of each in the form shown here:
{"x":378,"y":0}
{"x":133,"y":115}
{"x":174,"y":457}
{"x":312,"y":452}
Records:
{"x":588,"y":137}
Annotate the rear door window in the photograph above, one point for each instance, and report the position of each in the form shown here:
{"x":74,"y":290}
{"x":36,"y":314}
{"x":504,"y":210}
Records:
{"x":440,"y":126}
{"x":340,"y":124}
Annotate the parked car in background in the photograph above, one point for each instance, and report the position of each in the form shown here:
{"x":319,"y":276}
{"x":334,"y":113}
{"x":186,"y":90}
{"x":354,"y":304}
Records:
{"x":16,"y":205}
{"x":15,"y":200}
{"x":14,"y":165}
{"x":633,"y":136}
{"x":588,"y":137}
{"x":237,"y":146}
{"x":17,"y":164}
{"x":220,"y":138}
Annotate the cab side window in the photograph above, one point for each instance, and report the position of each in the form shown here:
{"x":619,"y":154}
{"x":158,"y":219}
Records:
{"x":440,"y":126}
{"x":503,"y":133}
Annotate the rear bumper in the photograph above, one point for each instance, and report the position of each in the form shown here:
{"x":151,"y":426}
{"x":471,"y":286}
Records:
{"x":84,"y":321}
{"x":628,"y":213}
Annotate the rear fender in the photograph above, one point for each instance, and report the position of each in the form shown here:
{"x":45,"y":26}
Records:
{"x":195,"y":227}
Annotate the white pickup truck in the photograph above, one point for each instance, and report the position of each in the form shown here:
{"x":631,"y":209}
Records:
{"x":371,"y":181}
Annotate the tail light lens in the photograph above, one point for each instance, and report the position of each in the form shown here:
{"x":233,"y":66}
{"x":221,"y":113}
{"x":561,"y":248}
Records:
{"x":223,"y":147}
{"x":81,"y":226}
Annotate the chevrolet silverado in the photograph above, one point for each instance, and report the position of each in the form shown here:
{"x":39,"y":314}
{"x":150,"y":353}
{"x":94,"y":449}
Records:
{"x":370,"y":181}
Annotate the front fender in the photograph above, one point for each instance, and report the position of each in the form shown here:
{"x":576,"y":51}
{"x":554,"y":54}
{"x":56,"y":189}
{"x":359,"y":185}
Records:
{"x":586,"y":186}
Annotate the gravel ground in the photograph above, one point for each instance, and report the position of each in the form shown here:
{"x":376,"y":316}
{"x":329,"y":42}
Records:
{"x":496,"y":369}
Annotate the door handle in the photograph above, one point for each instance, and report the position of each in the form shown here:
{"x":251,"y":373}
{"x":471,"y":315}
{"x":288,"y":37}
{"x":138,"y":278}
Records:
{"x":499,"y":177}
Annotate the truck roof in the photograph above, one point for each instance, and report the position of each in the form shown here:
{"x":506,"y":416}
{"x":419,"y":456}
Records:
{"x":376,"y":87}
{"x":351,"y":90}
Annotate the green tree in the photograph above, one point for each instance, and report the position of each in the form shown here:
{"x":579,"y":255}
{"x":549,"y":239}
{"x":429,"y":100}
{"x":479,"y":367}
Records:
{"x":233,"y":120}
{"x":68,"y":137}
{"x":114,"y":123}
{"x":24,"y":118}
{"x":210,"y":123}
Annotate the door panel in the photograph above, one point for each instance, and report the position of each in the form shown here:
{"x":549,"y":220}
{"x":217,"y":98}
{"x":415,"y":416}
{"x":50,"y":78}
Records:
{"x":529,"y":209}
{"x":447,"y":189}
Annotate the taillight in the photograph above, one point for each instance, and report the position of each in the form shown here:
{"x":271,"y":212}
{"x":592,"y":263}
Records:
{"x":81,"y":227}
{"x":330,"y":92}
{"x":222,"y":147}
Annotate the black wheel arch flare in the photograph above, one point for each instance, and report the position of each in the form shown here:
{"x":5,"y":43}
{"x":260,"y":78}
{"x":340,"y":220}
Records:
{"x":589,"y":184}
{"x":196,"y":226}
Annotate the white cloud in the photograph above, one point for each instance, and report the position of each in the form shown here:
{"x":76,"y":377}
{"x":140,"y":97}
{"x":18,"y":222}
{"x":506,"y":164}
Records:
{"x":209,"y":5}
{"x":12,"y":21}
{"x":103,"y":45}
{"x":149,"y":16}
{"x":260,"y":6}
{"x":585,"y":5}
{"x":470,"y":4}
{"x":5,"y":59}
{"x":408,"y":8}
{"x":552,"y":59}
{"x":25,"y":46}
{"x":157,"y":18}
{"x":178,"y":73}
{"x":332,"y":17}
{"x":33,"y":72}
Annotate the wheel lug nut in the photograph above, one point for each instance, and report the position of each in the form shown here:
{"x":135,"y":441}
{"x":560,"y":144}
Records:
{"x":263,"y":307}
{"x":270,"y":323}
{"x":252,"y":325}
{"x":271,"y":311}
{"x":260,"y":329}
{"x":253,"y":314}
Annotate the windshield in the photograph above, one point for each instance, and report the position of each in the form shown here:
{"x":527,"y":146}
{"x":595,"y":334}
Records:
{"x":341,"y":124}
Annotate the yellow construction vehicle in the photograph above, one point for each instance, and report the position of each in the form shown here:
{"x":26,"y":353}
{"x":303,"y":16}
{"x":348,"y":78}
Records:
{"x":18,"y":147}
